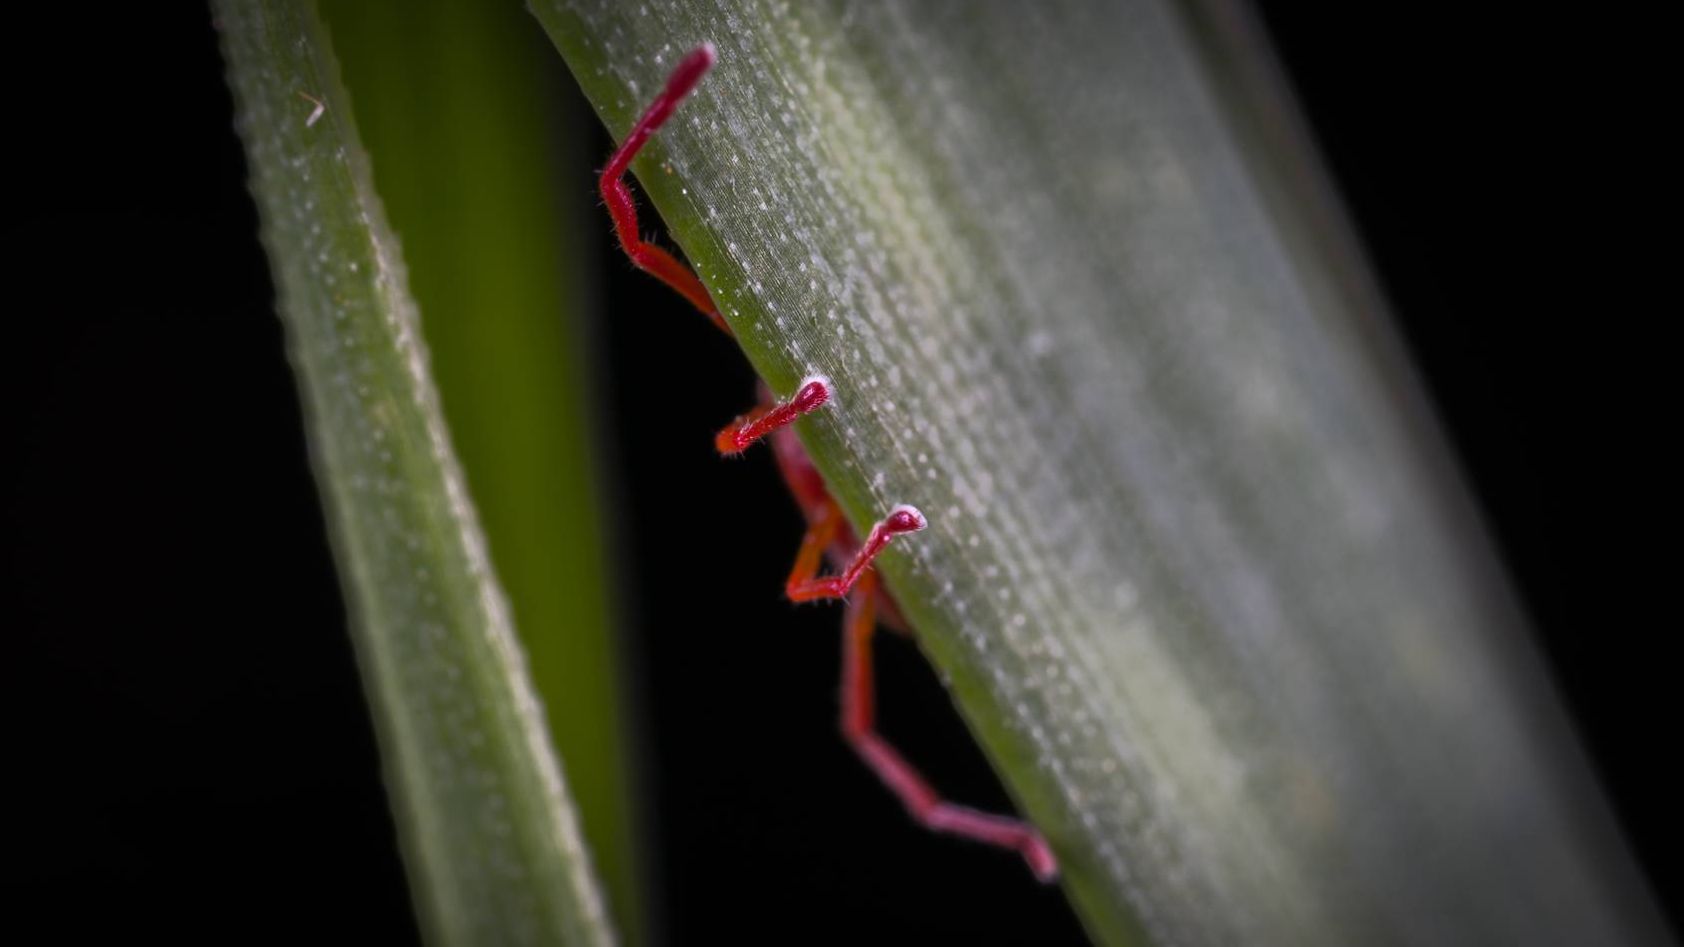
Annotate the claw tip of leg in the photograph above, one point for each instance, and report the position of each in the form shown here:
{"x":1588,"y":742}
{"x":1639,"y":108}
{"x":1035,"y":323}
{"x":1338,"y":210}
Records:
{"x":906,"y":519}
{"x":815,"y":390}
{"x":1042,"y":862}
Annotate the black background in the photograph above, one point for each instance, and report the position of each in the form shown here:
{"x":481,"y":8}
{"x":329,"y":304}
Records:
{"x":186,"y":728}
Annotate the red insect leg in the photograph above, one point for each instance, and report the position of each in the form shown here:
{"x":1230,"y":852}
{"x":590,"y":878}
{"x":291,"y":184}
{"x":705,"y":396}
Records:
{"x":859,"y":727}
{"x":827,"y":531}
{"x":804,"y":585}
{"x":814,"y":392}
{"x":769,"y":416}
{"x":648,"y":257}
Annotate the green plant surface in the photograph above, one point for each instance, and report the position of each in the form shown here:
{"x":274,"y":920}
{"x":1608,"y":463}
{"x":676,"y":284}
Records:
{"x":1198,"y":570}
{"x":479,"y":185}
{"x":489,"y":834}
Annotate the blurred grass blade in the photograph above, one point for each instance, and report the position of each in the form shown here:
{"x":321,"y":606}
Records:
{"x":488,"y":831}
{"x":1196,"y":568}
{"x":481,"y":183}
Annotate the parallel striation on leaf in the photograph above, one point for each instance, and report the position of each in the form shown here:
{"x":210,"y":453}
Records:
{"x":1196,"y":569}
{"x":488,"y":832}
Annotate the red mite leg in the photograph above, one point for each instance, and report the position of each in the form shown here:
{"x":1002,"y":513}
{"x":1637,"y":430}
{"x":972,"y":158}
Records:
{"x":858,"y":701}
{"x":820,"y":534}
{"x":763,"y":420}
{"x":803,"y":586}
{"x":859,"y":713}
{"x":623,"y":209}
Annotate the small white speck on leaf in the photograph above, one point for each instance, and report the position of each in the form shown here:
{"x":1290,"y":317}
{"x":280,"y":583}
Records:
{"x":315,"y":113}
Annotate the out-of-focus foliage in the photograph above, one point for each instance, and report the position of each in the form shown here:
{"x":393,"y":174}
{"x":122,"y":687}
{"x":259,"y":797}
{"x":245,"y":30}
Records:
{"x":488,"y":830}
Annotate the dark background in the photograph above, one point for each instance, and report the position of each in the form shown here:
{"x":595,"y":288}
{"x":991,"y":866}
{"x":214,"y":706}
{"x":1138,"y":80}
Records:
{"x":186,"y":726}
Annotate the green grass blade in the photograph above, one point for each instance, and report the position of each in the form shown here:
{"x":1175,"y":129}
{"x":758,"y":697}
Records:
{"x":1197,"y":570}
{"x":489,"y":834}
{"x":482,"y":187}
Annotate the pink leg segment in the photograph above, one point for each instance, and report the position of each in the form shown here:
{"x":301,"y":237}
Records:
{"x":803,"y":586}
{"x":929,"y":809}
{"x":648,"y":257}
{"x":744,"y":431}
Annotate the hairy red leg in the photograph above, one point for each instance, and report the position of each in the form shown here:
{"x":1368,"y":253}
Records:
{"x":859,"y":727}
{"x":803,"y":584}
{"x":648,"y":257}
{"x":825,"y":517}
{"x":821,"y":532}
{"x":736,"y":437}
